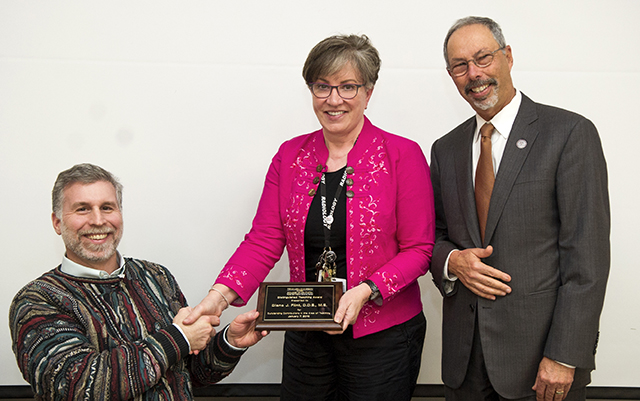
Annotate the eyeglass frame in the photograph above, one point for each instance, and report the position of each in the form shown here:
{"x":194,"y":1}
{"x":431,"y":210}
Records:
{"x":466,"y":62}
{"x":310,"y":85}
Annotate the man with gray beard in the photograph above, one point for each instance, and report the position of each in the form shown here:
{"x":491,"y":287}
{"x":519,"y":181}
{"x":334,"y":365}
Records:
{"x":104,"y":327}
{"x":522,"y":233}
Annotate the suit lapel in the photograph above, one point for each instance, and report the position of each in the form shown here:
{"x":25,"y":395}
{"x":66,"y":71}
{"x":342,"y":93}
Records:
{"x":515,"y":154}
{"x":465,"y":180}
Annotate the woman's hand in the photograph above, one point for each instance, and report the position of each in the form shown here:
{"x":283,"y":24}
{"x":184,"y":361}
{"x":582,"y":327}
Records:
{"x":213,"y":304}
{"x":349,"y":306}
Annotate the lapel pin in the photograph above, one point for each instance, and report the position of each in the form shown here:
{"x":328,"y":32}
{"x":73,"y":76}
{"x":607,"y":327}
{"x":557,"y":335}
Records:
{"x":521,"y":144}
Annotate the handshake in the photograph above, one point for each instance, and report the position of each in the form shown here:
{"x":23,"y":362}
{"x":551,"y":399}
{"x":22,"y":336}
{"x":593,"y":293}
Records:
{"x":240,"y":334}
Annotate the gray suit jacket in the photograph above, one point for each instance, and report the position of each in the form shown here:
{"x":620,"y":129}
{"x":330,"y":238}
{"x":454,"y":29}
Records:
{"x":549,"y":226}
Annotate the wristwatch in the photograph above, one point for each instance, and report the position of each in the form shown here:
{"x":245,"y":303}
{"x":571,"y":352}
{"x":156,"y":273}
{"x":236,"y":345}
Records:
{"x":375,"y":292}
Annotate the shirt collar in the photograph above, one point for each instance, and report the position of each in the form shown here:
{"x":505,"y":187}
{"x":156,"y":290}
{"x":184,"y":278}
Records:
{"x":503,"y":121}
{"x":74,"y":269}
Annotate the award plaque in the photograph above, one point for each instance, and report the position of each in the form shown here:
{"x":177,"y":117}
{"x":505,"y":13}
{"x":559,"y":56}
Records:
{"x":305,"y":306}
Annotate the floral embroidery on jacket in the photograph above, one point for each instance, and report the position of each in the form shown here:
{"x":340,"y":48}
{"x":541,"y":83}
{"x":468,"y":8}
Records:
{"x":381,"y":164}
{"x":296,"y":213}
{"x":235,"y":275}
{"x":296,"y":217}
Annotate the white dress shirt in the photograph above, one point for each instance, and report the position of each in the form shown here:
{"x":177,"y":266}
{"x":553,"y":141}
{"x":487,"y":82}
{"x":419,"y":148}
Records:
{"x":502,"y":122}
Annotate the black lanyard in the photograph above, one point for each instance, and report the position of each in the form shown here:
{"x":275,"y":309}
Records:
{"x":326,"y":265}
{"x":327,"y":220}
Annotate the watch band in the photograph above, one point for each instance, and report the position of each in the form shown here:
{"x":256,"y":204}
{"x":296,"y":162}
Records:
{"x":375,"y":292}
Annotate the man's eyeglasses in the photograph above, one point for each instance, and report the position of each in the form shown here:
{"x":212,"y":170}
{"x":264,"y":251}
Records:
{"x":482,"y":61}
{"x":323,"y":91}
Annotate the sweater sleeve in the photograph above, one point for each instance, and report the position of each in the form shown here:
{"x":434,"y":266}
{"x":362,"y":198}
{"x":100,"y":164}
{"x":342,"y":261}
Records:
{"x":56,"y":353}
{"x":215,"y":363}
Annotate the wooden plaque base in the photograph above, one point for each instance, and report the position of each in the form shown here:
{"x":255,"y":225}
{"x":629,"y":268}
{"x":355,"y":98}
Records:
{"x":305,"y":306}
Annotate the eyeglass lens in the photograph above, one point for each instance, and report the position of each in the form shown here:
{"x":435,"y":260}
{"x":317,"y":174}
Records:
{"x":482,"y":61}
{"x":345,"y":91}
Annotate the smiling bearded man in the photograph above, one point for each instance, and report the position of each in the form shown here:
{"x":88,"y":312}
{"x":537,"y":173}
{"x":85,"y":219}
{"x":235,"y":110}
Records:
{"x":522,"y":233}
{"x":89,"y":236}
{"x":104,"y":327}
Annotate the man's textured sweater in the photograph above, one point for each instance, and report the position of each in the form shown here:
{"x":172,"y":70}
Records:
{"x":78,"y":338}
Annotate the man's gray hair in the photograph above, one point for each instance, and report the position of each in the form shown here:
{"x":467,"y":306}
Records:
{"x":84,"y":173}
{"x":493,"y":26}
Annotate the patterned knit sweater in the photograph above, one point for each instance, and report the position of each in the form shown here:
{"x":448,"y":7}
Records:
{"x":89,"y":339}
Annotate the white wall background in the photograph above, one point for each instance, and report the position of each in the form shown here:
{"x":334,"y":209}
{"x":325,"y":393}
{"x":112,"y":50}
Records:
{"x":188,"y":101}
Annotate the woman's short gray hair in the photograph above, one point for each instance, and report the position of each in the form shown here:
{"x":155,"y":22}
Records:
{"x":333,"y":53}
{"x":84,"y":173}
{"x":488,"y":22}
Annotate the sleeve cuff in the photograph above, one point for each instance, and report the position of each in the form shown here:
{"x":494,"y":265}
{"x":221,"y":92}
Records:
{"x":449,"y":281}
{"x":445,"y":270}
{"x":184,"y":336}
{"x":566,"y":365}
{"x":173,"y":343}
{"x":226,"y":341}
{"x":224,"y":351}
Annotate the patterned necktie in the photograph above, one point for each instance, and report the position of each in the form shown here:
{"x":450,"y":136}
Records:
{"x":484,"y":177}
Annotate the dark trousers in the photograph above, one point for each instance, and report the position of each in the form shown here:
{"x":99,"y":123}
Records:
{"x":380,"y":366}
{"x":477,"y":387}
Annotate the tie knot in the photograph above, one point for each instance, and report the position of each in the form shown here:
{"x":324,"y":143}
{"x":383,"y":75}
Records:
{"x":487,"y":130}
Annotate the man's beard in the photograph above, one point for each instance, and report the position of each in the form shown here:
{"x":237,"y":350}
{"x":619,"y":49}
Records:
{"x":488,"y":102}
{"x":95,"y":253}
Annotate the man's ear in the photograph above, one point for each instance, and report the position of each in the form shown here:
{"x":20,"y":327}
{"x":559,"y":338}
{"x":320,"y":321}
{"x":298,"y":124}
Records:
{"x":56,"y":223}
{"x":509,"y":54}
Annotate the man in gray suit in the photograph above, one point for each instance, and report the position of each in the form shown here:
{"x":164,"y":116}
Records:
{"x":522,"y":245}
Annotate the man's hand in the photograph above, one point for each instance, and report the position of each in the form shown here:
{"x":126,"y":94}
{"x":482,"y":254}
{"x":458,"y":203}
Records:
{"x":213,"y":304}
{"x":200,"y":332}
{"x":242,"y":330}
{"x":553,"y":381}
{"x":483,"y":280}
{"x":349,"y":306}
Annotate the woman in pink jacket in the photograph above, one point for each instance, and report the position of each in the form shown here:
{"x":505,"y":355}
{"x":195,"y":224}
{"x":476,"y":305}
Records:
{"x":372,"y":190}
